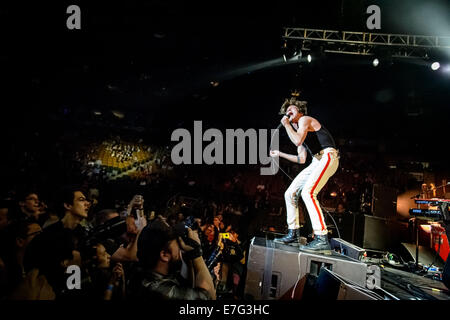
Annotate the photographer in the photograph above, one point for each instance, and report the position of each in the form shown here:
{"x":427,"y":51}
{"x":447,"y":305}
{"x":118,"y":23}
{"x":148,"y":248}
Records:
{"x":160,"y":252}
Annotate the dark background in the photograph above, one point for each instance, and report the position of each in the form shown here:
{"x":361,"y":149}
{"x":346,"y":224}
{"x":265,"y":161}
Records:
{"x":154,"y":61}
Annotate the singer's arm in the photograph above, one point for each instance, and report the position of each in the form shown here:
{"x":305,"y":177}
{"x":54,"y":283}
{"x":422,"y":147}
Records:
{"x":300,"y":158}
{"x":297,"y":137}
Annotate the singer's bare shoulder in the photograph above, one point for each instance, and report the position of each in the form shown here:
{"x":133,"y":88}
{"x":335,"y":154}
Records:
{"x":308,"y":123}
{"x":304,"y":122}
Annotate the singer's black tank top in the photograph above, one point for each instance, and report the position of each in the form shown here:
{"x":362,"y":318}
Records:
{"x":318,"y":140}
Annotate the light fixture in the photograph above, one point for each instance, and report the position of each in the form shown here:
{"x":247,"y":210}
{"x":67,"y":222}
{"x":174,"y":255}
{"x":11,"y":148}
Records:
{"x":435,"y":66}
{"x":118,"y":114}
{"x":375,"y":62}
{"x":291,"y":51}
{"x":309,"y":58}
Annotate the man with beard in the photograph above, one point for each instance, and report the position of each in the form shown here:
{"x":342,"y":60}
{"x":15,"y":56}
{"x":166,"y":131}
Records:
{"x":159,"y":252}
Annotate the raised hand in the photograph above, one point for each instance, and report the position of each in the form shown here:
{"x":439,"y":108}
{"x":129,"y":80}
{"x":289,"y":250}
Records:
{"x":285,"y":121}
{"x":274,"y":153}
{"x":137,"y":202}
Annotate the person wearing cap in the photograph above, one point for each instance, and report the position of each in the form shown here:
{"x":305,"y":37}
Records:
{"x":161,"y":253}
{"x":308,"y":134}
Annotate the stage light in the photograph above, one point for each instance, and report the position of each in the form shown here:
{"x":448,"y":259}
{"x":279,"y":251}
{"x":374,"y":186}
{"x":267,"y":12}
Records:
{"x":297,"y":55}
{"x":375,"y":62}
{"x":309,"y":58}
{"x":435,"y":66}
{"x":291,"y":51}
{"x":382,"y":56}
{"x":118,"y":114}
{"x":291,"y":54}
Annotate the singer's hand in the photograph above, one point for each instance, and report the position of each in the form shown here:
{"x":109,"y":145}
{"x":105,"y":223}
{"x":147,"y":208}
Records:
{"x":285,"y":121}
{"x":274,"y":153}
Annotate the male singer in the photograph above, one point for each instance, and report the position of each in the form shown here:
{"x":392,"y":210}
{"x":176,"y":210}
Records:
{"x":309,"y":135}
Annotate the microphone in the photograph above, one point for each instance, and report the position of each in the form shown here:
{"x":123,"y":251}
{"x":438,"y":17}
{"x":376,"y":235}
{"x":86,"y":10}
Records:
{"x":285,"y":115}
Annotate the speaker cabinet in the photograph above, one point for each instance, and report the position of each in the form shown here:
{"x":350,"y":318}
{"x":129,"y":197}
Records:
{"x":376,"y":233}
{"x":274,"y":268}
{"x":329,"y":286}
{"x":384,"y":201}
{"x":426,"y":255}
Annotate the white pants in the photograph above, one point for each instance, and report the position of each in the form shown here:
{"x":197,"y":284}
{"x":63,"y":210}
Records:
{"x":310,"y":181}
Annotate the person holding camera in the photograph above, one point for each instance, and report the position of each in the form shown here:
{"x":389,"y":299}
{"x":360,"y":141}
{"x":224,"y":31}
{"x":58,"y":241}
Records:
{"x":135,"y":222}
{"x":161,"y":252}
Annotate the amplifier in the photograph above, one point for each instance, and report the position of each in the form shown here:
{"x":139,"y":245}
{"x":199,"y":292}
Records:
{"x":273,"y":268}
{"x":384,"y":201}
{"x":376,"y":233}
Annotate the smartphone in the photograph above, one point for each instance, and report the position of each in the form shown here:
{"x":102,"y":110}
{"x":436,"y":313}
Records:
{"x":225,"y":235}
{"x":138,"y":200}
{"x":139,"y":217}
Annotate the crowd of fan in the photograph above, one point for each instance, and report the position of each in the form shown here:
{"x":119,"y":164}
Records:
{"x":123,"y":152}
{"x":126,"y":249}
{"x":41,"y":239}
{"x":94,"y":169}
{"x":120,"y":253}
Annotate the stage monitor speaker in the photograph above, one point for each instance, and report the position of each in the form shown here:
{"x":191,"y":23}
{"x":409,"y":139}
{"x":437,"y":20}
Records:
{"x":330,"y":286}
{"x":426,"y":255}
{"x":384,"y":201}
{"x":274,"y":268}
{"x":376,"y":233}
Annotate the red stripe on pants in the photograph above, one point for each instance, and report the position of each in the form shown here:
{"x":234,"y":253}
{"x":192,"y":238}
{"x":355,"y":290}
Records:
{"x":312,"y":191}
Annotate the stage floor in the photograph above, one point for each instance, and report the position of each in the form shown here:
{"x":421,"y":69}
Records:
{"x":404,"y":284}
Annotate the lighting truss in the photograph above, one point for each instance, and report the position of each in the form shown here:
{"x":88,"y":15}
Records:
{"x":367,"y":43}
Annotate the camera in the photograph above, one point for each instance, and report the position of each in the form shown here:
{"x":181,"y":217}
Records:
{"x":191,"y":223}
{"x":182,"y":227}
